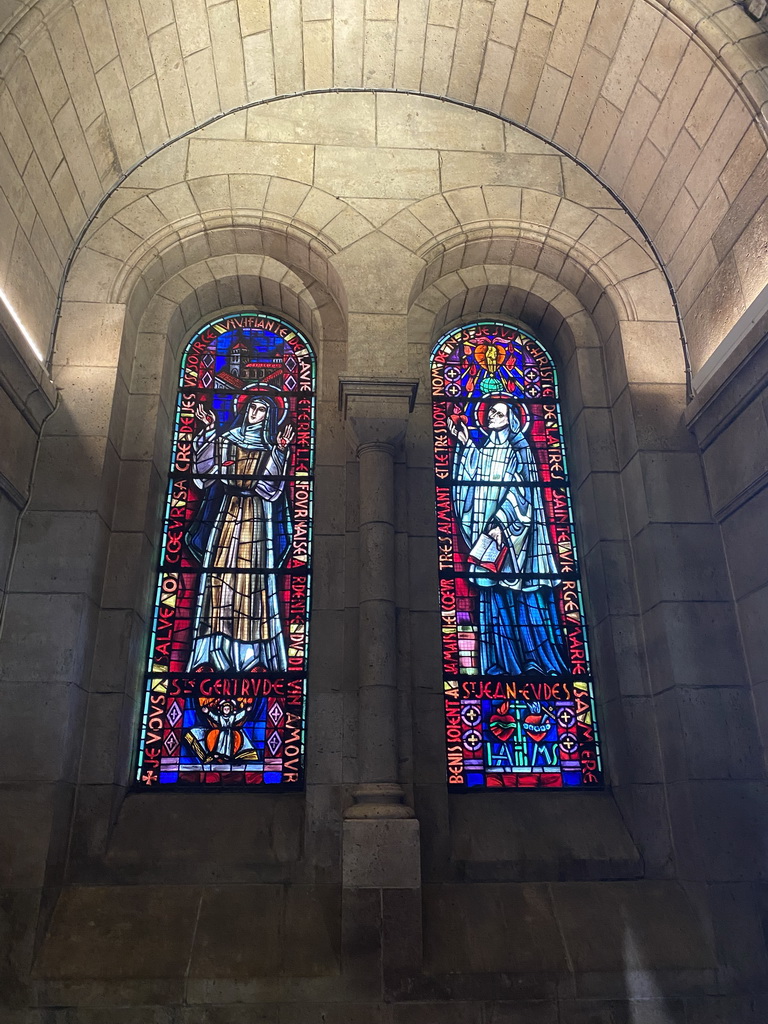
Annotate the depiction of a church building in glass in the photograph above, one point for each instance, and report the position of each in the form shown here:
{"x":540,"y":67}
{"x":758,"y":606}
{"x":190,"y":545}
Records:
{"x":226,"y":685}
{"x":518,"y":689}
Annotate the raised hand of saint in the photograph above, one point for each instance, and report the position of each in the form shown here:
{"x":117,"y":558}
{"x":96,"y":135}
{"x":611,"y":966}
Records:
{"x":285,"y":437}
{"x":205,"y":416}
{"x":458,"y":429}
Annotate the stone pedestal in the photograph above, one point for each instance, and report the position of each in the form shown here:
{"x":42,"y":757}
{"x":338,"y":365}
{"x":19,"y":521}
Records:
{"x":382,"y":854}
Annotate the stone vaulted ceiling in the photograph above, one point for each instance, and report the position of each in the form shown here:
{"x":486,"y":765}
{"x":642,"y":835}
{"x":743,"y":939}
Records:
{"x":663,"y":101}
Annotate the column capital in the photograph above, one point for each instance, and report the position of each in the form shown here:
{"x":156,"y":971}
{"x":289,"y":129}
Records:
{"x":367,"y":445}
{"x":376,"y":409}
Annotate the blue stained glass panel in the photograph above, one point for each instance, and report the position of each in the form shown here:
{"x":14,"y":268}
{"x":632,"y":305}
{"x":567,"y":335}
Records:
{"x":518,"y":686}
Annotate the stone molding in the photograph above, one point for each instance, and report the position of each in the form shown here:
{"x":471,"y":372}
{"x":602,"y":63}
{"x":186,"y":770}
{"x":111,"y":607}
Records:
{"x":712,"y":413}
{"x":740,"y":379}
{"x":375,"y":410}
{"x":376,"y":389}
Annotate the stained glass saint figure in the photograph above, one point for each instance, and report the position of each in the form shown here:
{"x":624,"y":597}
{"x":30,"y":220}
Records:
{"x":225,"y":695}
{"x":517,"y":681}
{"x":501,"y":515}
{"x":240,"y":536}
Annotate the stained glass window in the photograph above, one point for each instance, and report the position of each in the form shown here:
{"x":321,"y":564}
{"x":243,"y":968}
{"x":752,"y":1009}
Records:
{"x":226,"y":683}
{"x":519,"y":700}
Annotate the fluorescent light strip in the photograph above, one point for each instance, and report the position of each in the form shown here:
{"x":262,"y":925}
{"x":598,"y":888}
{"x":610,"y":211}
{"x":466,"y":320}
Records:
{"x":15,"y":317}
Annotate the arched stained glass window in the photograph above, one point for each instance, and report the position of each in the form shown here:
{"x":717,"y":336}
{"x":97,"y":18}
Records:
{"x":226,"y":682}
{"x":518,"y":688}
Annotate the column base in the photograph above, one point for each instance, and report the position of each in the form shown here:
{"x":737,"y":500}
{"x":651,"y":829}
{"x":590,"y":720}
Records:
{"x":378,"y":800}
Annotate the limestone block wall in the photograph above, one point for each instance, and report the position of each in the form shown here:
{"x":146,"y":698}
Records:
{"x":729,"y":422}
{"x":26,"y":398}
{"x":375,"y":222}
{"x":663,"y":100}
{"x":52,"y":605}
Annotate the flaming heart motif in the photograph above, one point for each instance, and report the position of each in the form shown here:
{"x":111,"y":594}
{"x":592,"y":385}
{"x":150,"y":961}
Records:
{"x":503,"y":722}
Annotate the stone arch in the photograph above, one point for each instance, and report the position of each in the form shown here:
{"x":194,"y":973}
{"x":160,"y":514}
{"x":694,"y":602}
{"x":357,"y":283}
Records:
{"x":522,"y":295}
{"x":659,"y":120}
{"x":139,"y":321}
{"x":621,"y":291}
{"x":581,"y":228}
{"x":664,"y":108}
{"x":617,"y":346}
{"x":226,"y":282}
{"x":116,"y":265}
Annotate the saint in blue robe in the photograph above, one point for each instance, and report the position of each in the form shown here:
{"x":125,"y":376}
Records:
{"x":496,"y":487}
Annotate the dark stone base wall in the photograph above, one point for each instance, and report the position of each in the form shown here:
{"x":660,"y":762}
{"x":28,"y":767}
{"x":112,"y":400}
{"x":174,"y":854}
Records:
{"x":494,"y":953}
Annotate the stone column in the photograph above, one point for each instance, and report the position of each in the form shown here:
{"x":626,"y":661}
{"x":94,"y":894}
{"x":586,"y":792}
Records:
{"x":381,"y":849}
{"x":378,"y":793}
{"x":376,"y":414}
